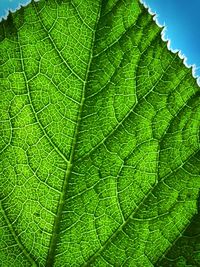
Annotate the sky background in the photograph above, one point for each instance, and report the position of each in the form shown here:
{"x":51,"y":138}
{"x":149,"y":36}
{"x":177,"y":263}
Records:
{"x":181,"y":17}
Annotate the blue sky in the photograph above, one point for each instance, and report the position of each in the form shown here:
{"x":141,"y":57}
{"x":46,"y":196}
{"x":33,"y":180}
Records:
{"x":181,"y":17}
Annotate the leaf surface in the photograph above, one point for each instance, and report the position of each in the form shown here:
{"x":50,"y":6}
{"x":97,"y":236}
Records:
{"x":99,"y":137}
{"x":185,"y":251}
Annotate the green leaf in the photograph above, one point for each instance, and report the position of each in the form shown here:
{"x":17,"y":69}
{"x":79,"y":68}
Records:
{"x":185,"y":251}
{"x":99,"y":137}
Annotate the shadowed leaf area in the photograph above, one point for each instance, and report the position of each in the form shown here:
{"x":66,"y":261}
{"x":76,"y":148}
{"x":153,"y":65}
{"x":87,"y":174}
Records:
{"x":99,"y":139}
{"x":186,"y":250}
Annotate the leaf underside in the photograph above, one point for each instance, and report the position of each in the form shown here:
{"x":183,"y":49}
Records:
{"x":99,"y":139}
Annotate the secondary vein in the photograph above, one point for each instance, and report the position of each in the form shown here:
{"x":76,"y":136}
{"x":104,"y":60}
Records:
{"x":16,"y":237}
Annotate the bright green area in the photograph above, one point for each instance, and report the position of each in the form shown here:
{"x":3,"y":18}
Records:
{"x":99,"y":137}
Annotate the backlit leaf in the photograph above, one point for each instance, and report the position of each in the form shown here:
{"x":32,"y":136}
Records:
{"x":99,"y":138}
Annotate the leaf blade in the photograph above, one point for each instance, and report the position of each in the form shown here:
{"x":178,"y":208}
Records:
{"x":101,"y":136}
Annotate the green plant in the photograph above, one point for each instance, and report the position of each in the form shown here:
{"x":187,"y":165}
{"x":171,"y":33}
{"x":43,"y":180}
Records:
{"x":99,"y":139}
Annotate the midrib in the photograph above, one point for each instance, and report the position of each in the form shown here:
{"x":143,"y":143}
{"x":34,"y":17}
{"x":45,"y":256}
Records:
{"x":56,"y":226}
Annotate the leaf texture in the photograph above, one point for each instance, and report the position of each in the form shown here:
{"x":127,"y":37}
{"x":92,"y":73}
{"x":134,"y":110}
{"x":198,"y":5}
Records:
{"x":99,"y":137}
{"x":185,"y":251}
